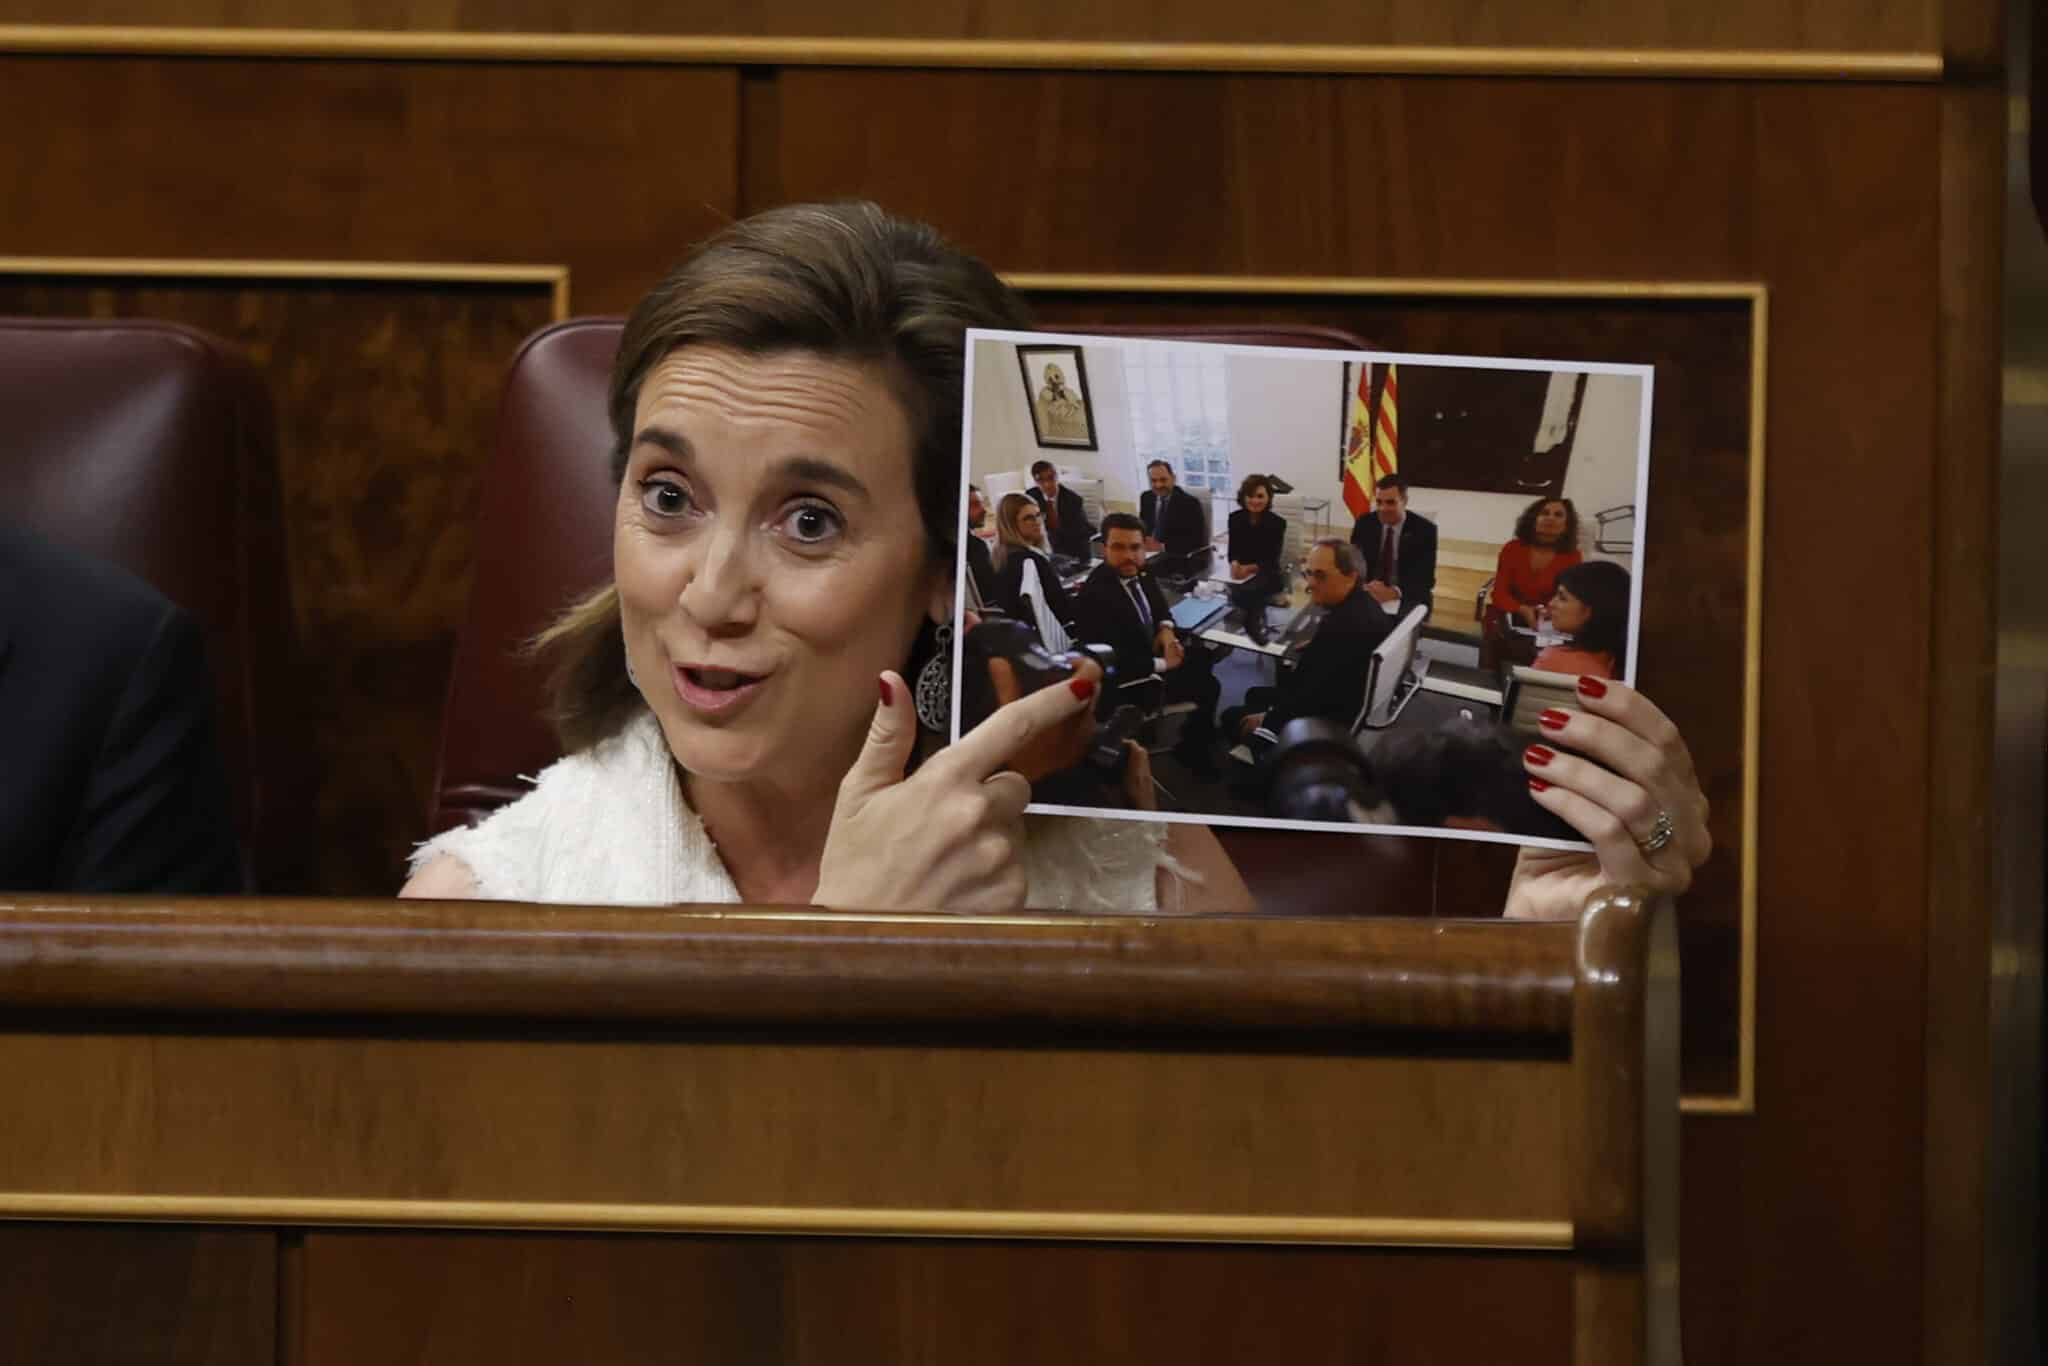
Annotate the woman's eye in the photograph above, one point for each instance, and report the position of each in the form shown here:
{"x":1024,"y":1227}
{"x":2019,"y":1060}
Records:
{"x":664,"y":498}
{"x":811,"y":523}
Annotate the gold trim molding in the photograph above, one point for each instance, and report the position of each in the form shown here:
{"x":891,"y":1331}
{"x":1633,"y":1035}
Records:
{"x":1743,"y":1100}
{"x":718,"y":50}
{"x":1517,"y":1234}
{"x":554,"y":278}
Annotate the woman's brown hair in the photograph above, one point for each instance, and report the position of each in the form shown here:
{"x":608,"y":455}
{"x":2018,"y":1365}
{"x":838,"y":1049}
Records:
{"x":1255,"y":481}
{"x":1525,"y":525}
{"x":846,"y":281}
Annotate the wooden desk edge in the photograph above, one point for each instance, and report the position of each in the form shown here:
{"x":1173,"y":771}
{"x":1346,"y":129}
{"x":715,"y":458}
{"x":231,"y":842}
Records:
{"x":747,"y":967}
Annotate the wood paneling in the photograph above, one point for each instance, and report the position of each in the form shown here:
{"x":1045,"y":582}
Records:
{"x":831,"y":1302}
{"x":1960,"y":897}
{"x":612,"y":171}
{"x":385,"y":397}
{"x":1824,"y":195}
{"x":128,"y":1296}
{"x":733,"y":1126}
{"x":1871,"y":26}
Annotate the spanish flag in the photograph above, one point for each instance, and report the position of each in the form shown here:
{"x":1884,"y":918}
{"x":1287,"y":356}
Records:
{"x":1358,"y":476}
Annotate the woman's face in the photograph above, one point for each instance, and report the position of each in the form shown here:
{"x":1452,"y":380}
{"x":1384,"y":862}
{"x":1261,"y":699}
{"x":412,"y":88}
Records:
{"x":1550,"y":522}
{"x":1568,"y":613}
{"x":1031,"y":524}
{"x":1255,"y":502}
{"x":770,"y":559}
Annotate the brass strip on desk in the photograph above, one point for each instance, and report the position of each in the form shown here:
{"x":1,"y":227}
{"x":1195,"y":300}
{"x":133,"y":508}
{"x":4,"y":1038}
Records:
{"x":1517,"y":1234}
{"x":722,"y":50}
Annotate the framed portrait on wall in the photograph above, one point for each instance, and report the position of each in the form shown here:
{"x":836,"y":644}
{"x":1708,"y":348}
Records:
{"x":1056,"y":392}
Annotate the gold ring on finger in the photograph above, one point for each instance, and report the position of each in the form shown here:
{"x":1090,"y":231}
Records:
{"x":1659,"y":836}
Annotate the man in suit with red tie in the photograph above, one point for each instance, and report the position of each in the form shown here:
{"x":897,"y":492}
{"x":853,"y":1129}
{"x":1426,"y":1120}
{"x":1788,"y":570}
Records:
{"x":1399,"y":549}
{"x":1065,"y":515}
{"x":1121,"y":607}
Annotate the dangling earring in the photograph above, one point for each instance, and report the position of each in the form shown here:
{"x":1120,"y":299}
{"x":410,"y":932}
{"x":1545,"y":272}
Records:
{"x":935,"y":684}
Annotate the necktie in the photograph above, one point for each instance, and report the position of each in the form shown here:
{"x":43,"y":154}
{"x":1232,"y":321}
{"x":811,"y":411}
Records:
{"x":1052,"y":513}
{"x":1386,"y":565}
{"x":1138,"y":601}
{"x":1158,"y":516}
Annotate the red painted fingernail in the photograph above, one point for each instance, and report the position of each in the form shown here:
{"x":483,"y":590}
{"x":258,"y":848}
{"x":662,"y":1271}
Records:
{"x":1084,"y":688}
{"x":1553,"y":719}
{"x":888,"y":697}
{"x":1591,"y":686}
{"x":1538,"y":785}
{"x":1539,"y":755}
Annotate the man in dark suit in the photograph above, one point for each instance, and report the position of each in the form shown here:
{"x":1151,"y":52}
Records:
{"x":1399,"y":549}
{"x":1329,"y":679}
{"x":981,"y":569}
{"x":1121,"y":607}
{"x":111,"y":780}
{"x":1171,"y":516}
{"x":1066,"y":516}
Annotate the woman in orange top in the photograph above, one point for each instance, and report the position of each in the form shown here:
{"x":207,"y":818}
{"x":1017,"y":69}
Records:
{"x":1546,"y":544}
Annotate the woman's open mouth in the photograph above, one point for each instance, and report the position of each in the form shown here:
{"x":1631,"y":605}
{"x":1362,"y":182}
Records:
{"x":715,"y":690}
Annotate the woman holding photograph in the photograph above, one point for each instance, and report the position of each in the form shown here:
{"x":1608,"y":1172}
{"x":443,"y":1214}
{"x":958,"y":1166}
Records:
{"x":786,"y":408}
{"x":1546,"y":544}
{"x":1590,"y":605}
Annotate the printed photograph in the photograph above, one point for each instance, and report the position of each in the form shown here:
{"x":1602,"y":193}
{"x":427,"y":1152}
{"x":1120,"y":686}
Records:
{"x":1323,"y":589}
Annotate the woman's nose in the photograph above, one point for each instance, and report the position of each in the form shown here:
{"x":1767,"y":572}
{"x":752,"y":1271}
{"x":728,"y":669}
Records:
{"x":724,"y":590}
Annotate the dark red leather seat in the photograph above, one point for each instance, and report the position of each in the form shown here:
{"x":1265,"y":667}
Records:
{"x":544,"y":537}
{"x":154,"y":446}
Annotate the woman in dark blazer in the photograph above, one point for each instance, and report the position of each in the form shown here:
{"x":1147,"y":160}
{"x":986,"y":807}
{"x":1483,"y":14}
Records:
{"x":1257,"y":536}
{"x":1020,"y":533}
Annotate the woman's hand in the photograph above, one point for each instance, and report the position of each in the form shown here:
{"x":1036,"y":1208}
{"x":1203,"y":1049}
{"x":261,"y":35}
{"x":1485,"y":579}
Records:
{"x":1242,"y":571}
{"x":947,"y":837}
{"x":1058,"y":747}
{"x":1635,"y":769}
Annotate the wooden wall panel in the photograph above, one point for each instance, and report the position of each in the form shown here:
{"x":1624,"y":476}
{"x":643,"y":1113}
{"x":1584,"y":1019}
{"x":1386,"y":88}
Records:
{"x":611,"y":171}
{"x":837,"y":1302}
{"x":114,"y":1295}
{"x":1822,"y":194}
{"x":1871,"y":26}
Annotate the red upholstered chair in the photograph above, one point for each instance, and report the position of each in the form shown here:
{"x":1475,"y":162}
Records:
{"x":544,"y":537}
{"x":153,"y":446}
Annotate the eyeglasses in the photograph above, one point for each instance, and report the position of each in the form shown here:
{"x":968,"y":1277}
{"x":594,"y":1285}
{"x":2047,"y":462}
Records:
{"x":1315,"y":575}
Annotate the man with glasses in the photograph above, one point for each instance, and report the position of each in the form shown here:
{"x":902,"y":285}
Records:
{"x":1329,"y":679}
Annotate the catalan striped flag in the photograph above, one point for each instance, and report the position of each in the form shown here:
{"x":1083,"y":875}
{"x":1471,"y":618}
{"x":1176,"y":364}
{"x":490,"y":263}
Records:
{"x":1386,"y":432}
{"x":1357,"y":469}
